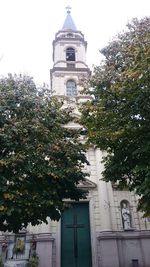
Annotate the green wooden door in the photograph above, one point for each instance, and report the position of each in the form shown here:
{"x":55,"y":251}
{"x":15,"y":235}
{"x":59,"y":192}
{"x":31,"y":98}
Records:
{"x":75,"y":236}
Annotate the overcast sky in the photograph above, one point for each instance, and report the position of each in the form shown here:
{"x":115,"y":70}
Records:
{"x":28,"y":27}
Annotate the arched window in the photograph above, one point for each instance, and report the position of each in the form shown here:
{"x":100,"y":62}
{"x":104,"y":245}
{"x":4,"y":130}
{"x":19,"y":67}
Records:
{"x":126,"y":214}
{"x":70,"y":54}
{"x":71,"y":88}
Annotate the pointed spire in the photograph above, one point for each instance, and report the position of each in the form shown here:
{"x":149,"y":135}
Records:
{"x":69,"y":23}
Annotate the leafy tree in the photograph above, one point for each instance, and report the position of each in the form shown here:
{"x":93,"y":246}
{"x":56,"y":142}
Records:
{"x":118,"y":117}
{"x":41,"y":160}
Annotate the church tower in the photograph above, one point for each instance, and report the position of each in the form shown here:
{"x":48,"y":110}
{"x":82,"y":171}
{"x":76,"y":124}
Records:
{"x":105,"y":229}
{"x":69,"y":60}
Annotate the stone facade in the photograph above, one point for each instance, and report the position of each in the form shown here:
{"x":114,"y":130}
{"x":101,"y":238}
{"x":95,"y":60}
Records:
{"x":111,"y":244}
{"x":123,"y":249}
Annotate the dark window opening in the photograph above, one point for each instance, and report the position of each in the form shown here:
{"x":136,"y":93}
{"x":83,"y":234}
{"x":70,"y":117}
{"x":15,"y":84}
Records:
{"x":69,"y":35}
{"x":70,"y":54}
{"x":135,"y":263}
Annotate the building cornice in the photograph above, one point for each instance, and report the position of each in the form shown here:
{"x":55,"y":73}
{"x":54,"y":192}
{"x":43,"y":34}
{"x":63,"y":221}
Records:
{"x":70,"y":62}
{"x":124,"y":235}
{"x":75,"y":70}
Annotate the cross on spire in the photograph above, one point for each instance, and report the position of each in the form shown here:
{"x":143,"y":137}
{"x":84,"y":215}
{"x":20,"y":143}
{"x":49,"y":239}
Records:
{"x":69,"y":23}
{"x":68,"y":9}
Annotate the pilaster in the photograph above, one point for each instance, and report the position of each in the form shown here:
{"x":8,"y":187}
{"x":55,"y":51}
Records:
{"x":104,"y":203}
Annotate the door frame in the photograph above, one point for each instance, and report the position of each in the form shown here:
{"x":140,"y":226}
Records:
{"x":92,"y":232}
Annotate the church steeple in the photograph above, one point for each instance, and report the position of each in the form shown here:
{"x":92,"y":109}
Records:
{"x":69,"y":60}
{"x":69,"y":23}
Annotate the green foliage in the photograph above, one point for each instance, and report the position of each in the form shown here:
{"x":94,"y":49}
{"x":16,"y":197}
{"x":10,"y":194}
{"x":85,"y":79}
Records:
{"x":1,"y":262}
{"x":41,"y":160}
{"x":33,"y":261}
{"x":118,"y":117}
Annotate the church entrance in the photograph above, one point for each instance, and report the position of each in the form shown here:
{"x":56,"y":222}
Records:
{"x":75,"y":236}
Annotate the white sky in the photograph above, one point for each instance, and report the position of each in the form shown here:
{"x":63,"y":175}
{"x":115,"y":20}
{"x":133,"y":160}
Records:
{"x":28,"y":27}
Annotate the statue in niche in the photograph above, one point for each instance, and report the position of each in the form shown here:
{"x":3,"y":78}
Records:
{"x":126,"y":216}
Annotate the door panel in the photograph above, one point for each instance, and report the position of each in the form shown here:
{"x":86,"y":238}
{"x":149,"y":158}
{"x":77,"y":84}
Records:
{"x":75,"y":236}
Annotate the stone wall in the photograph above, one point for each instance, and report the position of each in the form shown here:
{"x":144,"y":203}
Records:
{"x":124,"y":249}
